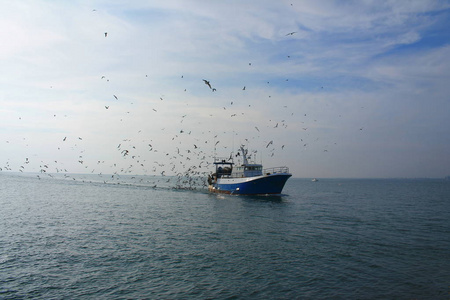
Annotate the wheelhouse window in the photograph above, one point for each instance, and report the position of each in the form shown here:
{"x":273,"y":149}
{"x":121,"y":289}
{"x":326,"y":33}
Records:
{"x":253,"y":168}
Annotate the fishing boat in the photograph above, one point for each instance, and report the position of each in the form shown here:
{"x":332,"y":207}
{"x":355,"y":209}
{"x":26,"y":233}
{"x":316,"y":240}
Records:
{"x":247,"y":178}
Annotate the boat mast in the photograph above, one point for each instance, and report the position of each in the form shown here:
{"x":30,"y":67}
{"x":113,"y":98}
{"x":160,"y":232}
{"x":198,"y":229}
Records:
{"x":244,"y":154}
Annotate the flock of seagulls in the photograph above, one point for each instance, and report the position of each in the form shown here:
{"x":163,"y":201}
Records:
{"x":189,"y":159}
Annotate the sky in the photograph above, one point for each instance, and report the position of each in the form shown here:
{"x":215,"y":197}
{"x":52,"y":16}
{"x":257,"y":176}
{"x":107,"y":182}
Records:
{"x":340,"y":89}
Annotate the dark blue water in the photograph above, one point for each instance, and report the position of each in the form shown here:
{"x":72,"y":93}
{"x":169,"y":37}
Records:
{"x":339,"y":239}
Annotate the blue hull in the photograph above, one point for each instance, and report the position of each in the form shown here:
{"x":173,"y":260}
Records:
{"x":259,"y":186}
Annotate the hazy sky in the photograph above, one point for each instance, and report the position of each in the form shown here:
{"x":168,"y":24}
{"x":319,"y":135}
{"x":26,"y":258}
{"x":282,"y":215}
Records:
{"x":359,"y":89}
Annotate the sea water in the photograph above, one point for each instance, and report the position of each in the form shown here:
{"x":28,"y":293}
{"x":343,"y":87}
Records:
{"x":335,"y":238}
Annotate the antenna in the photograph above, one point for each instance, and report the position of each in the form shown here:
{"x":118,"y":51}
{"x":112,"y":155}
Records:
{"x":214,"y":141}
{"x":232,"y":143}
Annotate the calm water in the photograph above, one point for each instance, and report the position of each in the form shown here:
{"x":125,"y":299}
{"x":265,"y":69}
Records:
{"x":339,"y":239}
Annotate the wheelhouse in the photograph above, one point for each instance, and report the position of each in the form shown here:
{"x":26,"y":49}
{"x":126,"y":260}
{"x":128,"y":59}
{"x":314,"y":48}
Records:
{"x":248,"y":170}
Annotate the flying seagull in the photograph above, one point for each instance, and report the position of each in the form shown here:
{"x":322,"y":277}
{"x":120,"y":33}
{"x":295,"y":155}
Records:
{"x":291,"y":33}
{"x":106,"y":34}
{"x":207,"y":83}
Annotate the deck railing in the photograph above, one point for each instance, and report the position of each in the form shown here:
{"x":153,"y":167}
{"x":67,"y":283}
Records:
{"x":275,"y":170}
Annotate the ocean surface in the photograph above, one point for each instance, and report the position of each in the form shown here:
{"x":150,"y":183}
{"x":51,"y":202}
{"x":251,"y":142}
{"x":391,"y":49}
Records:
{"x":65,"y":238}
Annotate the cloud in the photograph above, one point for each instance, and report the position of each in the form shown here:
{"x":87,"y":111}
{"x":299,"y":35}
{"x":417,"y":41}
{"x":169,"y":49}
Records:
{"x":348,"y":66}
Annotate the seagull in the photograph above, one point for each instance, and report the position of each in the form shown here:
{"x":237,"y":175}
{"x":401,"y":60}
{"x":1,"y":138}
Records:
{"x":257,"y":128}
{"x":207,"y":83}
{"x":116,"y":97}
{"x":270,"y":143}
{"x":243,"y":88}
{"x":291,"y":33}
{"x":106,"y":34}
{"x":106,"y":107}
